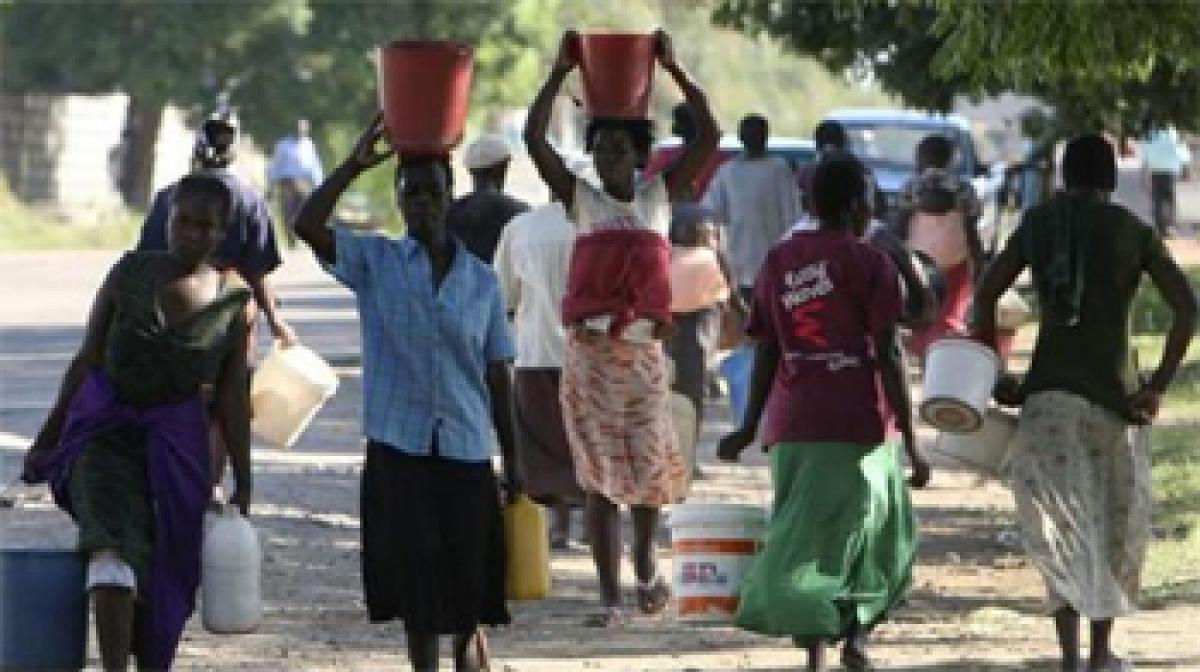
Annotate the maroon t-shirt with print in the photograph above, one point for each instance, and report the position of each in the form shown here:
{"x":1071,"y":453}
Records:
{"x":821,"y":297}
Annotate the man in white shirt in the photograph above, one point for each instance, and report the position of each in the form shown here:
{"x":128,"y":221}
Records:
{"x":1165,"y":159}
{"x":757,"y":199}
{"x":532,"y":259}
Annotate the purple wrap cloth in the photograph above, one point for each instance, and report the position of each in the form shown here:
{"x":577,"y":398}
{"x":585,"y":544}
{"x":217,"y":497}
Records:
{"x":178,"y":466}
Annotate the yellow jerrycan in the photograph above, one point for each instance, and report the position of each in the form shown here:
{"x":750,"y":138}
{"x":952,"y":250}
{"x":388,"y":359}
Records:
{"x":527,"y":543}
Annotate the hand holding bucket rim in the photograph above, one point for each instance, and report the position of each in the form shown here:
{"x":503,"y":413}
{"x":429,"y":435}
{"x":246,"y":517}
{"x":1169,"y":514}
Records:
{"x":664,"y":49}
{"x":366,"y":152}
{"x":568,"y":51}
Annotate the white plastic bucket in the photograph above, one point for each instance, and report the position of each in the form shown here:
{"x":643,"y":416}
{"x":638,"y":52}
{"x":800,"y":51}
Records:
{"x":713,"y":545}
{"x":986,"y":450}
{"x":288,"y":389}
{"x":959,"y":377}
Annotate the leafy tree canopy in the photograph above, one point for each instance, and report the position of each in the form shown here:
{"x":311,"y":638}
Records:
{"x":1119,"y":63}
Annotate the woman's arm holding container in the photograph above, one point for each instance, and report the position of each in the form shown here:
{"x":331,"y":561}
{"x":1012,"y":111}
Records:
{"x":231,"y":405}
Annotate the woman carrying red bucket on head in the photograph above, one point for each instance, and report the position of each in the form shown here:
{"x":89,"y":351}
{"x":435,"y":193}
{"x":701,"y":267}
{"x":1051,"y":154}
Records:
{"x":436,"y":379}
{"x":615,"y":395}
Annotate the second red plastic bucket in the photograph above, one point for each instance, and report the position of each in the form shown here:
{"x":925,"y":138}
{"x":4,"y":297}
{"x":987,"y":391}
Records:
{"x":617,"y":71}
{"x":424,"y":91}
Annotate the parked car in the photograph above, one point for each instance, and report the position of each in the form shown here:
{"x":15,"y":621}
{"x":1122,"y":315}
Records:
{"x":797,"y":152}
{"x":886,"y":140}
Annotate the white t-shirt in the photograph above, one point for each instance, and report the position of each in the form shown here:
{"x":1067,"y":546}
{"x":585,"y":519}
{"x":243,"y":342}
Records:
{"x":532,"y":260}
{"x":594,"y":210}
{"x":758,"y":200}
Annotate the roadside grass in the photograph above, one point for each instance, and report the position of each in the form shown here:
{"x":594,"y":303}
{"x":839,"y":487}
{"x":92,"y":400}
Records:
{"x":42,"y":232}
{"x":24,"y":227}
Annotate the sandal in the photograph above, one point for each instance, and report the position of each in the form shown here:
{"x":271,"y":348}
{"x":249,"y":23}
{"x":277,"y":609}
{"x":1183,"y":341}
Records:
{"x":653,"y":596}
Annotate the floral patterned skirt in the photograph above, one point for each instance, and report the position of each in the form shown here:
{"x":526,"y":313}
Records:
{"x":1081,"y":480}
{"x":617,"y":408}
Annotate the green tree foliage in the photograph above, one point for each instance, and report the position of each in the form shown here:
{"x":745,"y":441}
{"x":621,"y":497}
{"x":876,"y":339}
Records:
{"x":159,"y":53}
{"x":1120,"y":63}
{"x":279,"y":60}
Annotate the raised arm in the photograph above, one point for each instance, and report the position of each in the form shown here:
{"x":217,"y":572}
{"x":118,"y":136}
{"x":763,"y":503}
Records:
{"x":682,"y":174}
{"x":549,"y":164}
{"x":312,"y":220}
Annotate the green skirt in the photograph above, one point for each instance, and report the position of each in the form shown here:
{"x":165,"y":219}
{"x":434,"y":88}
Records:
{"x":840,"y":546}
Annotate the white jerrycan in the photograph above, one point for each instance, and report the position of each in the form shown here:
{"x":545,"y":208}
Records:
{"x":287,"y":390}
{"x":230,"y":594}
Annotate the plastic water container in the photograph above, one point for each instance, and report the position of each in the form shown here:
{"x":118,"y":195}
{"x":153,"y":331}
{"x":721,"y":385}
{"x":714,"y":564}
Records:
{"x":986,"y":450}
{"x":959,"y":377}
{"x":43,"y":609}
{"x":424,"y":91}
{"x":288,"y":389}
{"x":527,"y":543}
{"x":230,"y":592}
{"x":713,"y":545}
{"x":617,"y":71}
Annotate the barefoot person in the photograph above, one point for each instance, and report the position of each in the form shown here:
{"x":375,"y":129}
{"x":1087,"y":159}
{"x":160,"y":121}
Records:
{"x":842,"y":537}
{"x":436,"y":380}
{"x":1080,"y":471}
{"x":125,"y":448}
{"x":615,"y":396}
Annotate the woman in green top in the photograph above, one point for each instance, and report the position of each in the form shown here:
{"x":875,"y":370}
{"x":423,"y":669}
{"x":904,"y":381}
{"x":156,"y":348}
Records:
{"x":1080,"y":476}
{"x":125,"y":448}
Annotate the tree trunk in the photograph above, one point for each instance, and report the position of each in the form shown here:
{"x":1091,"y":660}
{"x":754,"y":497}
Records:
{"x":142,"y":123}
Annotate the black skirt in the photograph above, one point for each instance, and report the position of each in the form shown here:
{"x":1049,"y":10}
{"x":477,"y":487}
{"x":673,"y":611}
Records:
{"x":433,"y":542}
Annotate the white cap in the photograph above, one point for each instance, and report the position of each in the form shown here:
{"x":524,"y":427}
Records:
{"x":488,"y":150}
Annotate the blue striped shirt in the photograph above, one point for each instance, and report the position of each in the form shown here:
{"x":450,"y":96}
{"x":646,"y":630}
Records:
{"x":425,"y":349}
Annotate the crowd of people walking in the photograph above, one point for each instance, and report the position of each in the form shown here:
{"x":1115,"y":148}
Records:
{"x":621,"y":290}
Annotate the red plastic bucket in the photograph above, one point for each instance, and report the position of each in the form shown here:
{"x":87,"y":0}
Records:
{"x":617,"y":71}
{"x":424,"y":90}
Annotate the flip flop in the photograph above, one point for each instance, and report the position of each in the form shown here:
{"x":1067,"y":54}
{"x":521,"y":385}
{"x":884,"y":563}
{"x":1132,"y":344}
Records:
{"x":653,"y":596}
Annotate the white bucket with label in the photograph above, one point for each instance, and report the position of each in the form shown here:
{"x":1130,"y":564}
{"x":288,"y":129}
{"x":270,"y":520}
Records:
{"x":985,"y":451}
{"x":713,"y":545}
{"x":959,"y":377}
